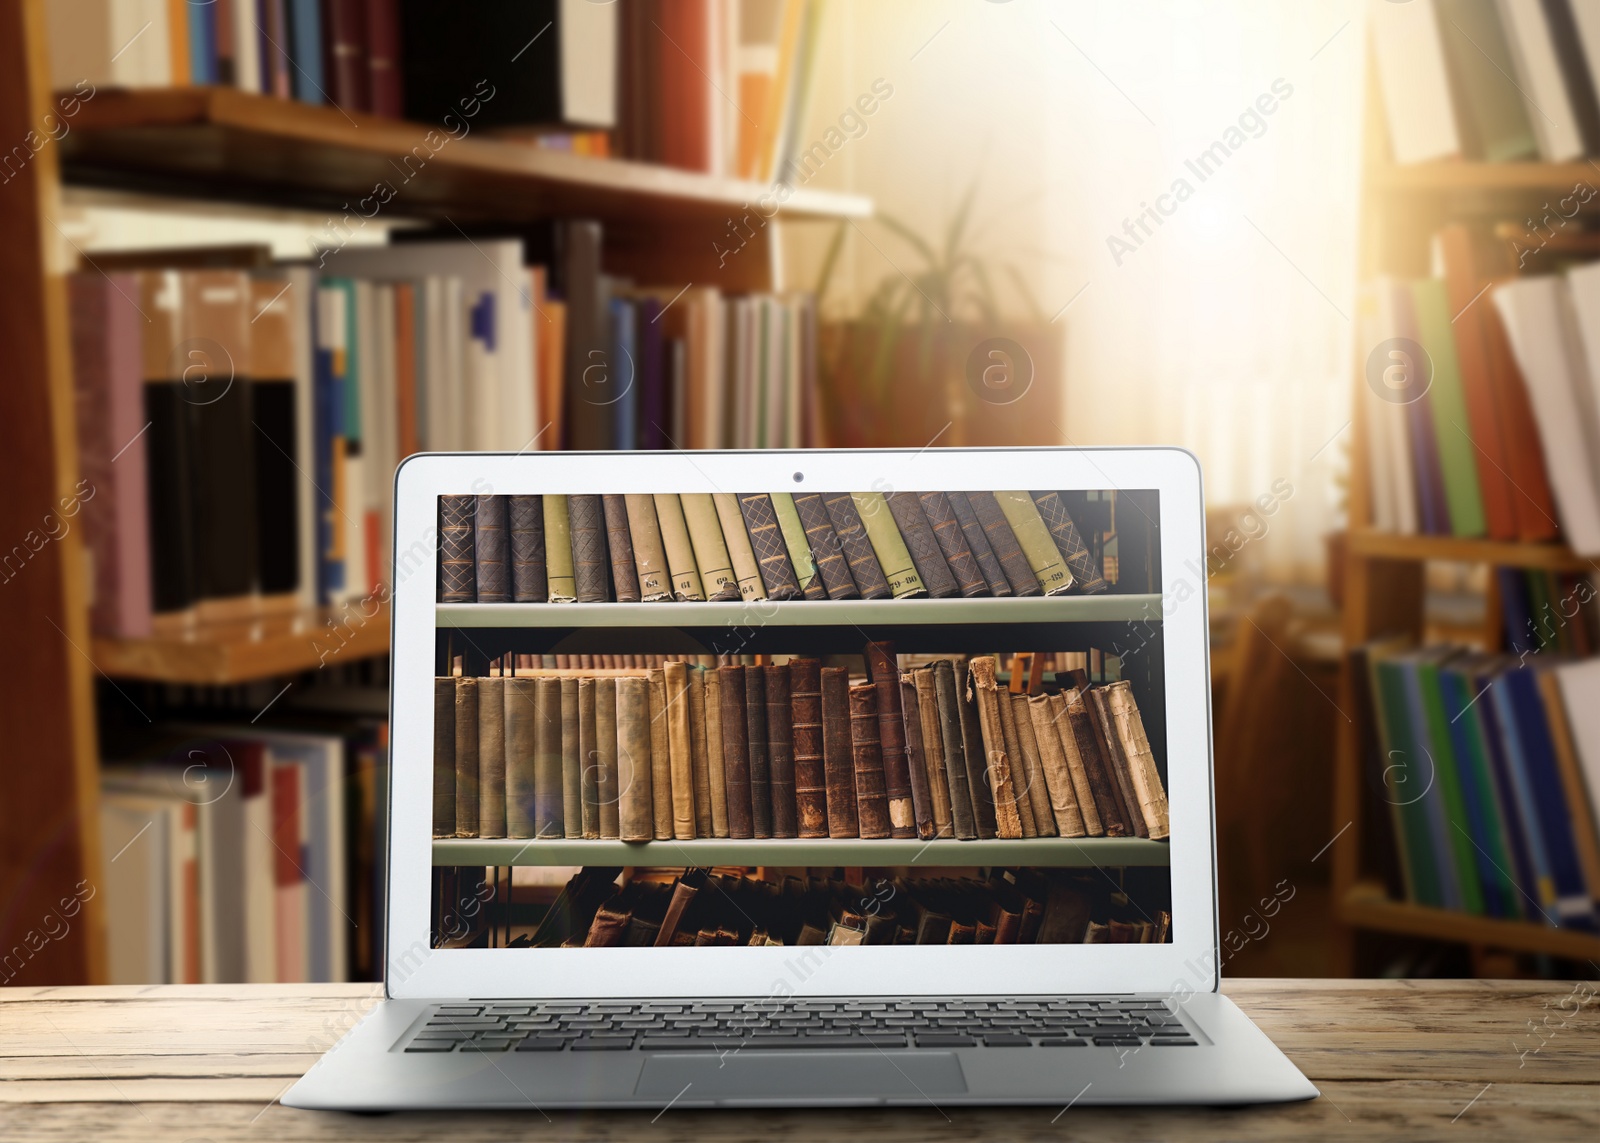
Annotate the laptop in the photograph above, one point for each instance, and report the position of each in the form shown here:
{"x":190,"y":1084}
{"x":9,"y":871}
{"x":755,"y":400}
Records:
{"x":999,"y":889}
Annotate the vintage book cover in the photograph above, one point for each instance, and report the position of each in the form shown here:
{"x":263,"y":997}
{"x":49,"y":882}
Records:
{"x":883,"y":670}
{"x":649,"y":553}
{"x":926,"y":711}
{"x":920,"y":541}
{"x":1116,"y":761}
{"x":1035,"y":540}
{"x":953,"y":545}
{"x":767,"y":542}
{"x":805,"y":697}
{"x":661,"y":791}
{"x":548,"y":790}
{"x":591,"y":566}
{"x":916,"y":757}
{"x":978,"y":540}
{"x":680,"y":751}
{"x":492,"y":757}
{"x":716,"y":755}
{"x":458,"y":581}
{"x":588,"y":757}
{"x":743,"y":556}
{"x":1107,"y":804}
{"x":685,"y":577}
{"x":633,"y":780}
{"x":799,"y":546}
{"x":684,"y":891}
{"x":997,"y":529}
{"x":466,"y":757}
{"x":521,"y":778}
{"x":558,"y":551}
{"x":736,"y":751}
{"x":698,"y":729}
{"x":1146,"y":779}
{"x":444,"y":757}
{"x":1053,"y":761}
{"x":490,"y":544}
{"x":872,"y":803}
{"x":826,"y":553}
{"x":605,"y":756}
{"x":838,"y":761}
{"x":1002,"y":784}
{"x":1044,"y":818}
{"x":780,"y":750}
{"x":888,"y":545}
{"x":970,"y":816}
{"x":571,"y":761}
{"x":1080,"y":561}
{"x":619,"y":543}
{"x":865,"y":570}
{"x":528,"y":577}
{"x":710,"y":550}
{"x":1019,"y":768}
{"x":755,"y":718}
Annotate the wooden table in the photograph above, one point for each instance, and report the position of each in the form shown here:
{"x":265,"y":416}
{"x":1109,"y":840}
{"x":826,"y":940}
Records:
{"x":1394,"y":1060}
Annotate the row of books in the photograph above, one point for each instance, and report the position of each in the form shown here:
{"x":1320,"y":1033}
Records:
{"x":239,"y":855}
{"x":1492,"y":80}
{"x":1548,"y":611}
{"x":790,"y":749}
{"x":706,"y":85}
{"x":1490,"y":770}
{"x":238,"y":427}
{"x":1055,"y":662}
{"x":703,"y":908}
{"x":725,"y":547}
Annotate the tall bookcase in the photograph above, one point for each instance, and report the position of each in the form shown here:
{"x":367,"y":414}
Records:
{"x":1401,"y":208}
{"x":216,"y":144}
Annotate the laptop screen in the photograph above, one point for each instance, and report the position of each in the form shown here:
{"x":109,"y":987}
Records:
{"x":838,"y":718}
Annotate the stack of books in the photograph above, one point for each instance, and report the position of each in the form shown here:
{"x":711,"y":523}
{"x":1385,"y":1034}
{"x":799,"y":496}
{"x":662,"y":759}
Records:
{"x":791,"y":749}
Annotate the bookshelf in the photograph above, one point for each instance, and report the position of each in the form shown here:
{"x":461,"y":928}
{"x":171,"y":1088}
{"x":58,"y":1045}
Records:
{"x":1401,"y":207}
{"x":212,"y":144}
{"x":787,"y":851}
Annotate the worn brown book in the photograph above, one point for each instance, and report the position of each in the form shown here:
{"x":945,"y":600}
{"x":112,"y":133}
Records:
{"x":1035,"y":540}
{"x":521,"y":776}
{"x":590,"y":564}
{"x":1062,"y":795}
{"x":548,"y":807}
{"x":745,"y":568}
{"x":979,"y":780}
{"x":824,"y":543}
{"x":699,"y":755}
{"x":466,"y":757}
{"x":1044,"y":818}
{"x":681,"y":569}
{"x":972,"y":528}
{"x":755,"y":719}
{"x":884,"y":672}
{"x":1116,"y":761}
{"x":1019,"y":770}
{"x":794,"y":539}
{"x":766,"y":541}
{"x":894,"y":557}
{"x":558,"y":549}
{"x":680,"y":752}
{"x":916,"y":758}
{"x":736,"y":752}
{"x":926,"y":711}
{"x":780,"y":750}
{"x":970,"y":816}
{"x":589,"y":754}
{"x":649,"y":553}
{"x":1076,"y":768}
{"x":490,"y":550}
{"x":525,"y":518}
{"x":684,"y":891}
{"x":605,"y":745}
{"x":1146,"y":778}
{"x":923,"y":545}
{"x":997,"y":529}
{"x":1080,"y":561}
{"x":571,"y":762}
{"x":1002,"y":786}
{"x":1107,"y":802}
{"x":444,"y":756}
{"x":457,"y":575}
{"x":810,"y":779}
{"x":838,"y":761}
{"x":619,"y":543}
{"x":634,"y":796}
{"x":953,"y":547}
{"x":872,"y":803}
{"x":492,"y":757}
{"x":865,"y":570}
{"x":660,"y":756}
{"x":716,"y":765}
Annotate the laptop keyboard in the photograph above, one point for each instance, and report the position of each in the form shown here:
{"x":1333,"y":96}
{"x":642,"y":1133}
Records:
{"x":745,"y":1025}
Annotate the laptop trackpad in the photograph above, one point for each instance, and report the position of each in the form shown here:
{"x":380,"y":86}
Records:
{"x":801,"y":1075}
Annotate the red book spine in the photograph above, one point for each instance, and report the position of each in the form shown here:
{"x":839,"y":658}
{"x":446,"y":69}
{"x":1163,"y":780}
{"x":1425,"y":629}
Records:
{"x":683,"y":48}
{"x":383,"y":59}
{"x":344,"y":48}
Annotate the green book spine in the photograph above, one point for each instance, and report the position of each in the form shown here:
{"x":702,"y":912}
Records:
{"x":1404,"y":776}
{"x":1457,"y":455}
{"x":1446,"y":766}
{"x":745,"y":568}
{"x":710,"y":551}
{"x":794,"y":538}
{"x":887,"y":545}
{"x":558,"y":551}
{"x":1035,"y":540}
{"x":1476,"y":769}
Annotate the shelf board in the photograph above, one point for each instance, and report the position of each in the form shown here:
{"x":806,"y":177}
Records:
{"x":805,"y":612}
{"x":1366,"y":906}
{"x":205,"y":142}
{"x":244,"y":650}
{"x":795,"y":852}
{"x":1498,"y":553}
{"x":1448,"y":176}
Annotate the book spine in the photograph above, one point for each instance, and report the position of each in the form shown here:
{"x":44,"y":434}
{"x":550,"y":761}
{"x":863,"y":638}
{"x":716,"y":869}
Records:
{"x":1018,"y":767}
{"x":926,"y":710}
{"x":528,"y":578}
{"x":872,"y":803}
{"x":650,"y":556}
{"x":1082,"y":789}
{"x":959,"y":560}
{"x":736,"y":751}
{"x":699,"y":752}
{"x":745,"y":568}
{"x":633,"y":778}
{"x":558,"y":551}
{"x":780,"y":750}
{"x":826,"y":553}
{"x":1075,"y":553}
{"x":978,"y":540}
{"x":571,"y":761}
{"x":619,"y":542}
{"x":888,"y":545}
{"x":1034,"y":538}
{"x":1146,"y":779}
{"x":521,"y":778}
{"x":916,"y":756}
{"x":1044,"y":818}
{"x":716,"y":753}
{"x":755,"y":718}
{"x":794,"y":538}
{"x":661,"y":791}
{"x":605,"y":757}
{"x":838,"y":763}
{"x":979,"y":781}
{"x":457,"y":576}
{"x":466,"y":757}
{"x":920,"y":541}
{"x":589,"y":560}
{"x":1053,"y":763}
{"x":964,"y":817}
{"x":710,"y":552}
{"x":489,"y":550}
{"x":865,"y":570}
{"x":588,"y":760}
{"x":686,"y":585}
{"x":680,"y":750}
{"x":1106,"y":801}
{"x":767,"y":543}
{"x":548,"y":787}
{"x":1002,"y":786}
{"x":810,"y":779}
{"x":1116,"y":762}
{"x":492,"y":757}
{"x":884,"y":672}
{"x":444,"y":756}
{"x":1002,"y":539}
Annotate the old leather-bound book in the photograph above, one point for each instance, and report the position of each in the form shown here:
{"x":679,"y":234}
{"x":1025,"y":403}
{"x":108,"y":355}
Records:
{"x":548,"y":796}
{"x":1020,"y":794}
{"x":810,"y":780}
{"x":978,"y":540}
{"x":571,"y":761}
{"x":922,"y":798}
{"x":558,"y":550}
{"x":716,"y":764}
{"x":605,"y":761}
{"x":953,"y":545}
{"x":649,"y":552}
{"x":444,"y":756}
{"x":872,"y":804}
{"x":683,"y":894}
{"x":884,"y":671}
{"x":894,"y":557}
{"x":1044,"y":818}
{"x":964,"y":816}
{"x":1080,"y":561}
{"x":794,"y":538}
{"x":1130,"y":733}
{"x":1063,"y":795}
{"x":825,"y":550}
{"x":922,"y":544}
{"x":636,"y":810}
{"x":1035,"y":540}
{"x":979,"y":781}
{"x":1002,"y":787}
{"x":736,"y":751}
{"x":838,"y":762}
{"x":521,"y":779}
{"x":492,"y":757}
{"x":1102,"y":783}
{"x":525,"y":520}
{"x":856,"y":546}
{"x":766,"y":541}
{"x":490,"y":550}
{"x":1116,"y":760}
{"x":743,"y":556}
{"x":755,"y":719}
{"x":588,"y":756}
{"x":619,"y":543}
{"x":680,"y":750}
{"x":699,"y":752}
{"x":997,"y":528}
{"x":1076,"y":768}
{"x":660,"y":756}
{"x":591,"y":569}
{"x":780,"y":749}
{"x":924,"y":708}
{"x":710,"y":549}
{"x":457,"y":577}
{"x":466,"y":757}
{"x":681,"y":569}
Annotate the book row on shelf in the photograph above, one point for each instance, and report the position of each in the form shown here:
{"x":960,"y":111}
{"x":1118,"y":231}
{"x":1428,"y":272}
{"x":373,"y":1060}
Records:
{"x":1492,"y":80}
{"x":705,"y":85}
{"x":723,"y":907}
{"x":1489,"y":771}
{"x":238,"y":427}
{"x":726,"y":547}
{"x":790,"y":749}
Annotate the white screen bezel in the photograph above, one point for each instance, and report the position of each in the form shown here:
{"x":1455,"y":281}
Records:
{"x":1189,"y":961}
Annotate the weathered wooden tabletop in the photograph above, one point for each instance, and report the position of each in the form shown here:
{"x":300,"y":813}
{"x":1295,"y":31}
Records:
{"x":1394,"y":1060}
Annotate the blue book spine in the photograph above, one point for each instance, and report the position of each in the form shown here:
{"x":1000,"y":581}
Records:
{"x":1523,"y":877}
{"x":1517,"y":612}
{"x":1478,"y":801}
{"x":352,"y":371}
{"x":202,"y":43}
{"x":624,"y":376}
{"x":1542,"y":889}
{"x":1439,"y":841}
{"x":305,"y":51}
{"x":655,"y":427}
